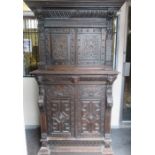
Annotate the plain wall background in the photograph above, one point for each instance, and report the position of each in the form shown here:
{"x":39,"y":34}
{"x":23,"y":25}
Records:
{"x":30,"y":98}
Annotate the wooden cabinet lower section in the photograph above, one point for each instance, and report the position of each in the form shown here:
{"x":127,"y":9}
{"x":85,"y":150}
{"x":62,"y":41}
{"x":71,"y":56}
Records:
{"x":75,"y":112}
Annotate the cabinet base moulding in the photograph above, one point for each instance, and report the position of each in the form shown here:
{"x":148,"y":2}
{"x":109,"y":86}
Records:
{"x":69,"y":150}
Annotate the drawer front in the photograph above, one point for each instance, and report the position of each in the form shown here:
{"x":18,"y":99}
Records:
{"x":60,"y":91}
{"x":91,"y":91}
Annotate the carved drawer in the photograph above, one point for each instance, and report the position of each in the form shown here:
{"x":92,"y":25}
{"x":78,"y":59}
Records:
{"x":60,"y":91}
{"x":91,"y":91}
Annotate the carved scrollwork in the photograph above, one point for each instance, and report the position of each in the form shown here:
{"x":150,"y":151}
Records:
{"x":41,"y":98}
{"x":111,"y":78}
{"x":109,"y":96}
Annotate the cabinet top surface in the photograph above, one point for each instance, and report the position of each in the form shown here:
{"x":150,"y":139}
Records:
{"x":69,"y":70}
{"x":75,"y":3}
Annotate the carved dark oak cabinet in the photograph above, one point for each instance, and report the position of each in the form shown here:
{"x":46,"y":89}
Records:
{"x":75,"y":75}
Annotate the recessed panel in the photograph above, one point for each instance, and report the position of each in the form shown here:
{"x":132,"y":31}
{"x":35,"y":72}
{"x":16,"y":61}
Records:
{"x":89,"y":46}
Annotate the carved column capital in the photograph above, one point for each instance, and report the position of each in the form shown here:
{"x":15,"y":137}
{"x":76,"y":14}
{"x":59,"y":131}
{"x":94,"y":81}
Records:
{"x":111,"y":78}
{"x":76,"y":79}
{"x":41,"y":25}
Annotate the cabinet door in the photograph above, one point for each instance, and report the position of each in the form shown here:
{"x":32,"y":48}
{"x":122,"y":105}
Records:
{"x":90,"y":110}
{"x":60,"y":46}
{"x":90,"y":46}
{"x":60,"y":110}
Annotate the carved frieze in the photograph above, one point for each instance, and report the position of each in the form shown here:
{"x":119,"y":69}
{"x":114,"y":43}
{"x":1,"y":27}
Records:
{"x":75,"y":13}
{"x":72,"y":23}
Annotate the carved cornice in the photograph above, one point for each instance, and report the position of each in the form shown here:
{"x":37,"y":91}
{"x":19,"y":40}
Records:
{"x":75,"y":13}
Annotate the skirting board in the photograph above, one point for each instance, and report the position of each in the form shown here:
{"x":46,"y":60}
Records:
{"x":31,"y":126}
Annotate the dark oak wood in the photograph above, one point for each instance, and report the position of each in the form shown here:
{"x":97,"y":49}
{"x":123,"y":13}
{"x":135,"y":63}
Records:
{"x":75,"y":75}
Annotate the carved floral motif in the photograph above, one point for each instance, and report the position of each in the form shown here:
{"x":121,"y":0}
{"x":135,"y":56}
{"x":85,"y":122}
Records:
{"x":59,"y":46}
{"x":90,"y":117}
{"x":59,"y":116}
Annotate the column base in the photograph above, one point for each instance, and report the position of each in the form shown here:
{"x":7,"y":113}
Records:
{"x":44,"y":151}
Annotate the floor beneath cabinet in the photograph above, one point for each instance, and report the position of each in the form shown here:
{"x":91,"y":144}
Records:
{"x":121,"y":141}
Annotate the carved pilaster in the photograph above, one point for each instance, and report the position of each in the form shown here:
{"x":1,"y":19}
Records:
{"x":109,"y":36}
{"x":42,"y":58}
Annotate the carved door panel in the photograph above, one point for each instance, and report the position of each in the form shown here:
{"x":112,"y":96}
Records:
{"x":76,"y":46}
{"x":60,"y":110}
{"x":90,"y":112}
{"x":60,"y":44}
{"x":90,"y":46}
